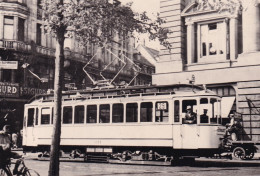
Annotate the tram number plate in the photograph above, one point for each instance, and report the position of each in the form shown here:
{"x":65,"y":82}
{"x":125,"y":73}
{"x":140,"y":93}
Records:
{"x":161,"y":105}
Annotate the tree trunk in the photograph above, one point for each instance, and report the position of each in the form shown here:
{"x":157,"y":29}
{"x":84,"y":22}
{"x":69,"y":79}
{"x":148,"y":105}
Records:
{"x":58,"y":84}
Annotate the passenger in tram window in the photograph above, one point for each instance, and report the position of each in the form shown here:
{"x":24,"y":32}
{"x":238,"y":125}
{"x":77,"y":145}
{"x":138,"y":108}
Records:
{"x":190,"y":116}
{"x":204,"y":118}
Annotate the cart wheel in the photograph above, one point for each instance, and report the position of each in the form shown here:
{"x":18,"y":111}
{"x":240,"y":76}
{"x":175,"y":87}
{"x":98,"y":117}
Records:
{"x":239,"y":153}
{"x":250,"y":154}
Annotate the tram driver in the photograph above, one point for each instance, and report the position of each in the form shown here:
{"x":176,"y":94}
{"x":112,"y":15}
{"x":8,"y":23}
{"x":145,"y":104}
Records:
{"x":190,"y":116}
{"x":204,"y":118}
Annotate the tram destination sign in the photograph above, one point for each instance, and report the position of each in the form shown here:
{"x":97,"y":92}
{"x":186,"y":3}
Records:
{"x":9,"y":65}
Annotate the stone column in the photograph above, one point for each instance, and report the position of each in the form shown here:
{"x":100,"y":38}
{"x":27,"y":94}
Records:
{"x":15,"y":27}
{"x":190,"y":43}
{"x":233,"y":38}
{"x":1,"y":72}
{"x":251,"y":27}
{"x":13,"y":74}
{"x":1,"y":26}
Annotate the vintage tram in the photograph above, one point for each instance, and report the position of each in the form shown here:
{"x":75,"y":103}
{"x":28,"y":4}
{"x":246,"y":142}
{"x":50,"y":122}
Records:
{"x":129,"y":123}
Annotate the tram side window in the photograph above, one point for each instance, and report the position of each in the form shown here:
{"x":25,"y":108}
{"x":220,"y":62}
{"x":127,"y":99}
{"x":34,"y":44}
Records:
{"x":176,"y":111}
{"x":30,"y":117}
{"x":162,"y":112}
{"x":104,"y":113}
{"x":117,"y":113}
{"x":146,"y":112}
{"x":131,"y":112}
{"x":36,"y":116}
{"x":79,"y":114}
{"x":67,"y":115}
{"x":52,"y":115}
{"x":45,"y":116}
{"x":189,"y":111}
{"x":92,"y":114}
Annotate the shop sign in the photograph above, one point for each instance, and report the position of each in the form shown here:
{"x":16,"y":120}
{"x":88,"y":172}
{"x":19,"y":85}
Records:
{"x":31,"y":91}
{"x":8,"y":64}
{"x":9,"y":89}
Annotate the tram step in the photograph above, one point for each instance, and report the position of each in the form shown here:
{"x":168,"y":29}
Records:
{"x":96,"y":158}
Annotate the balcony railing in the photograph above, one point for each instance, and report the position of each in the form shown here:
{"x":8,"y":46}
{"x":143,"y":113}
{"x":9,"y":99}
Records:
{"x":16,"y":45}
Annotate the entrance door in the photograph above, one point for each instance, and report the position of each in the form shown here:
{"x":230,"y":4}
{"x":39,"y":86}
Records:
{"x":28,"y":130}
{"x":189,"y":136}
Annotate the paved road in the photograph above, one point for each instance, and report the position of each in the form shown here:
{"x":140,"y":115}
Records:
{"x":97,"y":169}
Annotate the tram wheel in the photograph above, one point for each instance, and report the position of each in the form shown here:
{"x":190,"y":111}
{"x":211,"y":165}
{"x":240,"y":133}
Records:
{"x":239,"y":153}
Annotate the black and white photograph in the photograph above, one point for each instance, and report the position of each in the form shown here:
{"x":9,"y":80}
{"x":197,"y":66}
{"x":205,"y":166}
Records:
{"x":129,"y":87}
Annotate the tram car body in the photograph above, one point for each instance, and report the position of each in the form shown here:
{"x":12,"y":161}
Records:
{"x":136,"y":119}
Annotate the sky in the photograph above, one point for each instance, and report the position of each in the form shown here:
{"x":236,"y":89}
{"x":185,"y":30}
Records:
{"x":151,"y":7}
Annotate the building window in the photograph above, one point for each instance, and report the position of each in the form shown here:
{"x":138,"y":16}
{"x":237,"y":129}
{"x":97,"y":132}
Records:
{"x":9,"y":27}
{"x":39,"y":34}
{"x":21,"y":29}
{"x":212,"y":41}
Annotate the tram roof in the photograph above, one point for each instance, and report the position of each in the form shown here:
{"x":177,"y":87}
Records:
{"x":131,"y":91}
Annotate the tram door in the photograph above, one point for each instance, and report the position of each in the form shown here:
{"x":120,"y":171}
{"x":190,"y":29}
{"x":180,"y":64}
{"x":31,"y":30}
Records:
{"x":189,"y":129}
{"x":29,"y":121}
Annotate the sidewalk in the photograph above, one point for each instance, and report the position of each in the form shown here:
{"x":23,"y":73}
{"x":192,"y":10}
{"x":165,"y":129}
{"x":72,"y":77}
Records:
{"x":229,"y":162}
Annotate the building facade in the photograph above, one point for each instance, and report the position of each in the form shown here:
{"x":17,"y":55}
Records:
{"x":146,"y":58}
{"x":27,"y":56}
{"x":216,"y":48}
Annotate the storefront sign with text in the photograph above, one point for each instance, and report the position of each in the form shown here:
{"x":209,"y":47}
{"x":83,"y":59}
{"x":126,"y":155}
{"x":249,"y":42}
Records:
{"x":9,"y":89}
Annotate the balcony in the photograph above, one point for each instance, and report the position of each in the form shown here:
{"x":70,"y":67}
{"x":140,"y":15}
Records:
{"x":19,"y":6}
{"x":15,"y":45}
{"x":15,"y":1}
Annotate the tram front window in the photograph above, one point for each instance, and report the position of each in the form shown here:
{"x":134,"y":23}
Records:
{"x":189,"y":111}
{"x":45,"y":116}
{"x":204,"y":110}
{"x":215,"y":105}
{"x":209,"y":111}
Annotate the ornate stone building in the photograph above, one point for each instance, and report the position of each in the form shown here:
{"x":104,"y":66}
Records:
{"x":27,"y":58}
{"x":220,"y":49}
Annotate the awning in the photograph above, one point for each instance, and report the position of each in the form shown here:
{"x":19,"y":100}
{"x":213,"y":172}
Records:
{"x":226,"y":105}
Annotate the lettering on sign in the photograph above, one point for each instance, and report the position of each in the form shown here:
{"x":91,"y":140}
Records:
{"x":161,"y":106}
{"x":31,"y":91}
{"x":9,"y":89}
{"x":8,"y":65}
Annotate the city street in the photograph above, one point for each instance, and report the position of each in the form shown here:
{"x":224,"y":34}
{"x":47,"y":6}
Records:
{"x":103,"y":169}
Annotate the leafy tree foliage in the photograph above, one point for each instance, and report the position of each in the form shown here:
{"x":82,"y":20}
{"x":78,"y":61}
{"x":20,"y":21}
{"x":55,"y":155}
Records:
{"x":90,"y":21}
{"x":96,"y":21}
